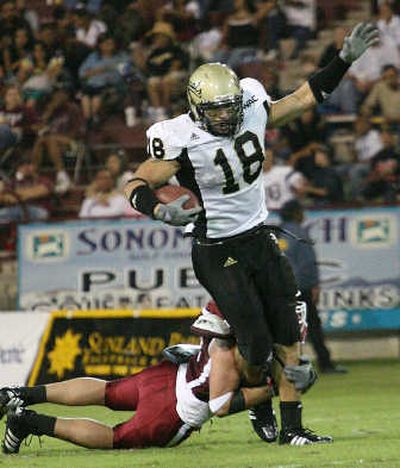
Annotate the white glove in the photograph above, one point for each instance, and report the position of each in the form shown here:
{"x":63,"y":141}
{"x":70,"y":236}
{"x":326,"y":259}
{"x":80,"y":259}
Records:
{"x":303,"y":376}
{"x":174,"y":213}
{"x":363,"y":36}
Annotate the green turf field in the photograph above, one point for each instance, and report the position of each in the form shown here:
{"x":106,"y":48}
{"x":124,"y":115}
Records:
{"x":361,"y":410}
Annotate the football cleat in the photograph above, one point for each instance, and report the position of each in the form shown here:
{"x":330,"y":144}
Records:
{"x":10,"y":399}
{"x":16,"y":430}
{"x":263,"y":420}
{"x":302,"y":436}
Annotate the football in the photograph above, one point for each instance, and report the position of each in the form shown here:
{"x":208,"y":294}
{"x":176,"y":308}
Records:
{"x":169,"y":193}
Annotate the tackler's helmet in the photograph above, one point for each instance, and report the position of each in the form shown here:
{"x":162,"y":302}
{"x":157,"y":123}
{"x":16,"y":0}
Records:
{"x":216,"y":99}
{"x":211,"y":323}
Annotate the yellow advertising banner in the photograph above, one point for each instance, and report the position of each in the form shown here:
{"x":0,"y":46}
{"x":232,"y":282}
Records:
{"x":107,"y":343}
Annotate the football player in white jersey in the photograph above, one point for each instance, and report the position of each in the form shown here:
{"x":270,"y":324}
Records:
{"x":217,"y":151}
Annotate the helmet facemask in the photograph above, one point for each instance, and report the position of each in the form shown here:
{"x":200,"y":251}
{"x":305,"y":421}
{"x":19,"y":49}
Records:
{"x":216,"y":99}
{"x":223,"y":117}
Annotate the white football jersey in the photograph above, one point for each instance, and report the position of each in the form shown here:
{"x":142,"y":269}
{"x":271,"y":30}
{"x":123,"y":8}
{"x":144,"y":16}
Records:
{"x":279,"y":185}
{"x":225,"y":173}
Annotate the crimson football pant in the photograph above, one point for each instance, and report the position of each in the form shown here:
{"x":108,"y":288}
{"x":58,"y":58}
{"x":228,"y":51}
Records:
{"x":151,"y":393}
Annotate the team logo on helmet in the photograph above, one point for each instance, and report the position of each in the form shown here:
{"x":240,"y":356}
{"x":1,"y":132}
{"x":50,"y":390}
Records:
{"x":195,"y":89}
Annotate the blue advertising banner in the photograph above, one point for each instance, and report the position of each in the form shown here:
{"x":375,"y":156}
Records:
{"x":106,"y":264}
{"x":116,"y":264}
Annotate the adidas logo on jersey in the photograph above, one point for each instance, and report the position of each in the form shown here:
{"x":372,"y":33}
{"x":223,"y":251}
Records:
{"x":229,"y":262}
{"x":194,"y":137}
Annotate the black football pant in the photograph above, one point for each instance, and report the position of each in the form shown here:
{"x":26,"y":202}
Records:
{"x":254,"y":287}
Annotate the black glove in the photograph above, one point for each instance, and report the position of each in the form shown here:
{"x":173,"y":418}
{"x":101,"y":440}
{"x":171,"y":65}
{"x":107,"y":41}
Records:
{"x":174,"y":213}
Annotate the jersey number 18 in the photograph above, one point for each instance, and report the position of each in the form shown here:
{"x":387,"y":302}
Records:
{"x":247,"y":161}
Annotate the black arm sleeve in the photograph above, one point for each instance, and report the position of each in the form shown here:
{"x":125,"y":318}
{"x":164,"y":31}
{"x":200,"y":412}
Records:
{"x":326,"y":80}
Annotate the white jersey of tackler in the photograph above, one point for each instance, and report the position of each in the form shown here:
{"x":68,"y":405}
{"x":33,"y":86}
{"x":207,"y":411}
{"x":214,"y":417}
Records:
{"x":224,"y":172}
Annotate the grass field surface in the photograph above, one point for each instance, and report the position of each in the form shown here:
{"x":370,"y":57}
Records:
{"x":360,"y":410}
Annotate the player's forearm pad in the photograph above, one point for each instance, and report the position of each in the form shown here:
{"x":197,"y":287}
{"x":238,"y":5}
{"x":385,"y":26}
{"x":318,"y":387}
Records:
{"x":144,"y":200}
{"x":326,"y":80}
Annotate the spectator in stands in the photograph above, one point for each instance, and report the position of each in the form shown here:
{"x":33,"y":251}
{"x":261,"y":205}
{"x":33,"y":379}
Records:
{"x":183,"y":15}
{"x":63,"y":127}
{"x":28,"y":196}
{"x":383,"y":179}
{"x":303,"y":259}
{"x":166,"y":66}
{"x":389,"y":23}
{"x":103,"y":200}
{"x":345,"y":97}
{"x":306,"y":129}
{"x":27,"y":14}
{"x":324,"y":183}
{"x":60,"y":37}
{"x":302,"y":21}
{"x":38,"y":74}
{"x":87,"y":28}
{"x":117,"y":164}
{"x":385,"y":96}
{"x":274,"y":28}
{"x":17,"y":121}
{"x":281,"y":182}
{"x":368,"y":140}
{"x":20,"y":48}
{"x":52,"y":38}
{"x":206,"y":43}
{"x":99,"y":74}
{"x":131,"y":25}
{"x":10,"y":22}
{"x":241,"y":33}
{"x":367,"y":144}
{"x":366,"y":71}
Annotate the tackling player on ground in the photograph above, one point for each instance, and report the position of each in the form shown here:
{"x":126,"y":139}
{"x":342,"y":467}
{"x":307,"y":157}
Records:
{"x":171,"y":399}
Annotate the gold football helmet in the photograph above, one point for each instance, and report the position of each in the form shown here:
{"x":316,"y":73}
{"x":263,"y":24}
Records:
{"x":216,"y":99}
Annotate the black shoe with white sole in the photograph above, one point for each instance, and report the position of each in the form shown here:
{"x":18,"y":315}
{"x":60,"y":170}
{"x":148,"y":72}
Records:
{"x":17,"y":430}
{"x":302,"y":436}
{"x":263,"y":420}
{"x":10,"y":400}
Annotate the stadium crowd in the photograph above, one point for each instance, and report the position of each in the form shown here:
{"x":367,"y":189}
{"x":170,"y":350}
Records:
{"x":67,"y":67}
